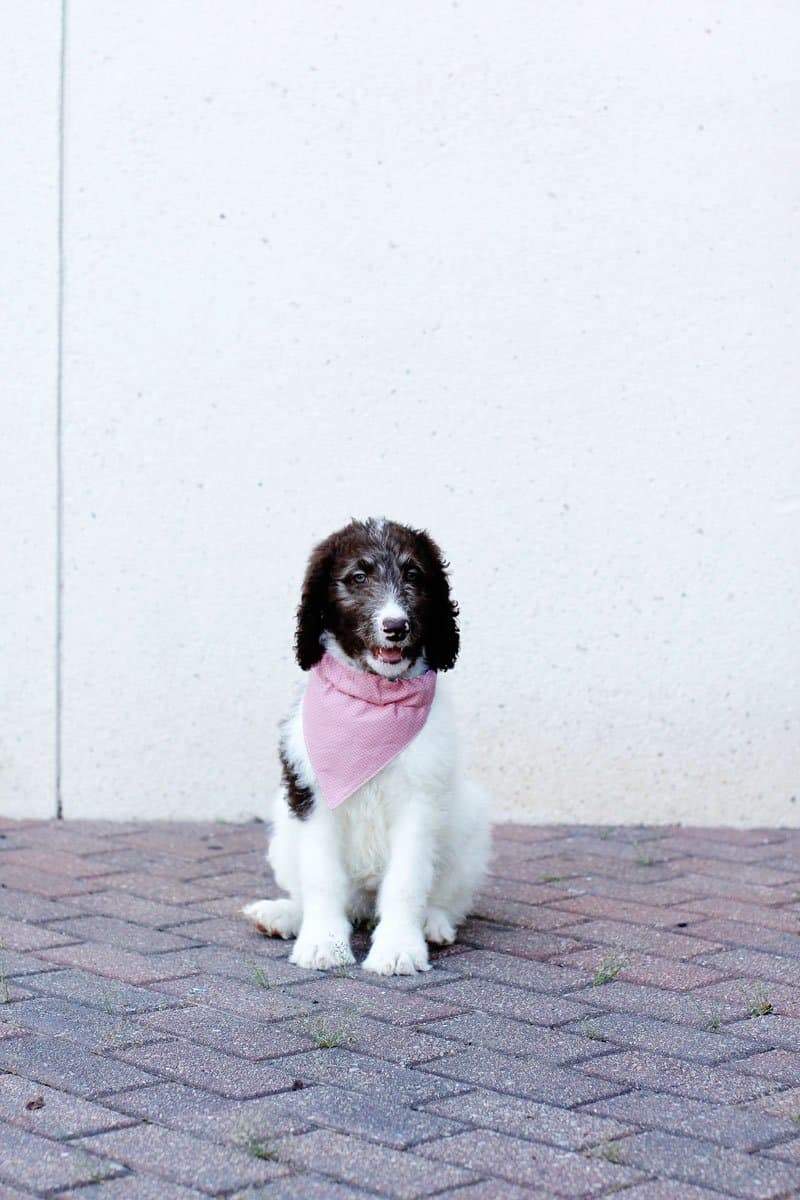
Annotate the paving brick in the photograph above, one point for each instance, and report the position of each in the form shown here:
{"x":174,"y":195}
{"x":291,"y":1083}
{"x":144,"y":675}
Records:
{"x":67,"y":1065}
{"x":589,"y":905}
{"x":233,"y":964}
{"x":111,"y":995}
{"x":519,"y":1003}
{"x":720,"y":1168}
{"x":401,"y":1008}
{"x":788,"y":1152}
{"x":60,"y":1115}
{"x":781,"y":1104}
{"x":531,"y":1077}
{"x":15,"y":963}
{"x":12,"y":1193}
{"x":246,"y":997}
{"x":206,"y":1114}
{"x":130,"y":1187}
{"x":743,"y":933}
{"x":491,"y":1189}
{"x":44,"y":862}
{"x":743,"y":990}
{"x":91,"y":1027}
{"x":755,"y":965}
{"x":19,"y":935}
{"x":787,"y":919}
{"x":114,"y":963}
{"x":165,"y":888}
{"x":669,"y":1190}
{"x":747,"y":874}
{"x":204,"y":1067}
{"x":364,"y":1116}
{"x":399,"y":1044}
{"x":646,"y":968}
{"x":8,"y":1027}
{"x":742,"y":1127}
{"x":540,"y":976}
{"x":513,"y":1037}
{"x":382,"y":1171}
{"x":42,"y":1165}
{"x":706,"y":848}
{"x":25,"y":906}
{"x":229,"y":1032}
{"x":181,"y":1158}
{"x":127,"y":907}
{"x":530,"y":1164}
{"x":625,"y":936}
{"x":779,"y":1065}
{"x":121,"y":934}
{"x":521,"y":891}
{"x":570,"y":1130}
{"x":502,"y":911}
{"x":527,"y":943}
{"x":689,"y":1008}
{"x":668,"y":892}
{"x":341,"y":1067}
{"x":236,"y":932}
{"x":679,"y":1041}
{"x":731,"y":885}
{"x":660,"y":1072}
{"x":303,"y":1187}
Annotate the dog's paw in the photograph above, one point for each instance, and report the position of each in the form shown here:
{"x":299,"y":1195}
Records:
{"x":321,"y":951}
{"x":275,"y":918}
{"x":397,"y":953}
{"x":438,"y":928}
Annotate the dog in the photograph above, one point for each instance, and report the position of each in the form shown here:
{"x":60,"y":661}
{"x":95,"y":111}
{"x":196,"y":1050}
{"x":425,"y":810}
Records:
{"x":373,"y":821}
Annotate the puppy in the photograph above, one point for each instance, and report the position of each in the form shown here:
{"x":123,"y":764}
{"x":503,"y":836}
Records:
{"x":373,"y":820}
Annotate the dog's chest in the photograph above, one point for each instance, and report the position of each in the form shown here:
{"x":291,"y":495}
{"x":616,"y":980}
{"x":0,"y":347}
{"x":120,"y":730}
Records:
{"x":364,"y":825}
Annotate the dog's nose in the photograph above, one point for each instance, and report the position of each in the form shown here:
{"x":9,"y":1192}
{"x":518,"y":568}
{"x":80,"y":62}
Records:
{"x":395,"y":627}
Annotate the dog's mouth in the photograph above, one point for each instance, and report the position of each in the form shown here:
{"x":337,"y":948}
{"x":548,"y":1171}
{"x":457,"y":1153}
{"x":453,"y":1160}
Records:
{"x":391,"y":655}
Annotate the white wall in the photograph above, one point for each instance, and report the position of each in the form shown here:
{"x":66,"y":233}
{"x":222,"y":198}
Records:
{"x":524,"y":274}
{"x":29,"y":141}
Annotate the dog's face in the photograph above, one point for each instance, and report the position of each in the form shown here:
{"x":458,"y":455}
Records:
{"x":377,"y":593}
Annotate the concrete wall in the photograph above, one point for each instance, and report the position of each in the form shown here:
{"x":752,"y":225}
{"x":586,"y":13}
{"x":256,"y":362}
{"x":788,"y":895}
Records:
{"x":525,"y":274}
{"x":30,"y":51}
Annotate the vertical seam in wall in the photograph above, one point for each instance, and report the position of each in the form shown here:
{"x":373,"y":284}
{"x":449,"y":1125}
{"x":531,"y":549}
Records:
{"x":59,"y":425}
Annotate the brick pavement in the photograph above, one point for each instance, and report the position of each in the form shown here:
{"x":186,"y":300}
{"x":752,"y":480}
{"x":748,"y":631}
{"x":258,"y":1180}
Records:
{"x":620,"y":1017}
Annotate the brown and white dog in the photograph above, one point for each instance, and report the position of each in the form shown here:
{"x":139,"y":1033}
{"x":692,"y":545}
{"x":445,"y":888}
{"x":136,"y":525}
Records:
{"x":408,"y":845}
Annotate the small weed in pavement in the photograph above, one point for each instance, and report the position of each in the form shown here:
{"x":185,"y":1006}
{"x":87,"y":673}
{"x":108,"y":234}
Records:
{"x":610,"y":1151}
{"x":759,"y":1003}
{"x":257,"y":1144}
{"x":261,"y":976}
{"x":551,"y":879}
{"x":327,"y":1036}
{"x":609,"y":968}
{"x":594,"y":1034}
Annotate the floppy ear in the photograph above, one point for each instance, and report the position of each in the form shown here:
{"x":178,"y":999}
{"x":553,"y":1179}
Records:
{"x":314,"y":607}
{"x":441,"y":635}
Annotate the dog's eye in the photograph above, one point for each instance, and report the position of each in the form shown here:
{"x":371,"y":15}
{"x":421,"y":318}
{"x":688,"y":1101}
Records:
{"x":358,"y":577}
{"x":413,"y":574}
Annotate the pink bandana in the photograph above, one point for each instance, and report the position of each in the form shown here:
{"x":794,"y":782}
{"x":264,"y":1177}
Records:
{"x":355,"y":723}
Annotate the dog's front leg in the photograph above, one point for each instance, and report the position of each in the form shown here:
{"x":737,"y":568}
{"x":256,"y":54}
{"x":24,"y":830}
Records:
{"x":324,"y":938}
{"x":398,"y":943}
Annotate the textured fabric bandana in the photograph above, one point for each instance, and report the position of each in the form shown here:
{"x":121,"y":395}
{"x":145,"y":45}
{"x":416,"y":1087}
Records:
{"x":355,"y":723}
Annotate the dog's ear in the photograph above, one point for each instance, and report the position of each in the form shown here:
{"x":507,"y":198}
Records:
{"x":441,"y":633}
{"x":314,"y":609}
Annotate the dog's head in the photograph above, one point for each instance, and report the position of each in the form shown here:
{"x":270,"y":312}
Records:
{"x":377,"y":593}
